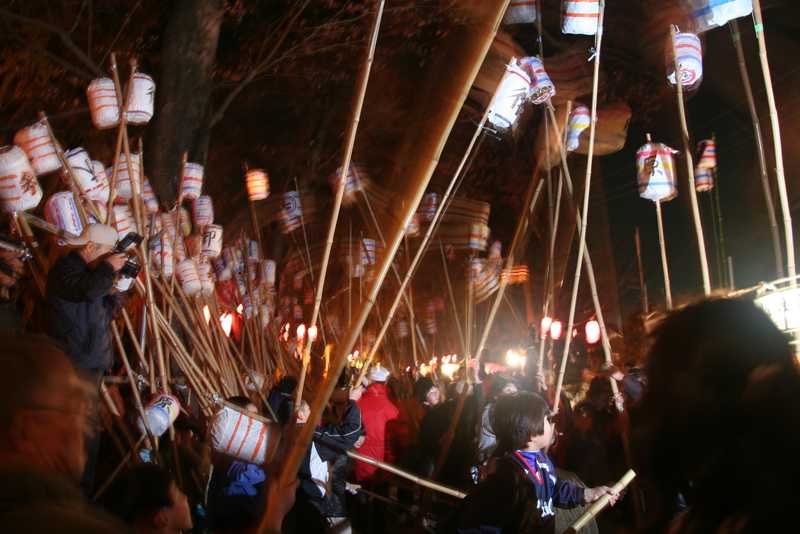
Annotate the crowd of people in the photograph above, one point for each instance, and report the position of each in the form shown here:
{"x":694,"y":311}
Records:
{"x":709,"y":425}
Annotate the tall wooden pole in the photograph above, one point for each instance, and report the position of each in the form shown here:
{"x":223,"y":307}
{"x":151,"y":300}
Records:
{"x":585,"y":209}
{"x":687,"y":149}
{"x":642,"y":283}
{"x":762,"y":160}
{"x":776,"y":139}
{"x":664,"y":263}
{"x":455,"y":87}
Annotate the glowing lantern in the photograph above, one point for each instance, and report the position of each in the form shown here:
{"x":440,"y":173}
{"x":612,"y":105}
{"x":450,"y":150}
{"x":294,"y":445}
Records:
{"x":226,"y":320}
{"x":546,"y":322}
{"x":312,"y":333}
{"x":555,"y":330}
{"x":257,"y":182}
{"x":206,"y":314}
{"x":301,"y":331}
{"x":592,"y":332}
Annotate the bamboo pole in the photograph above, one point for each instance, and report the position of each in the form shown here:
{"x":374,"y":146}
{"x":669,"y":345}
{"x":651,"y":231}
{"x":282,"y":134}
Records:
{"x":422,"y":249}
{"x":433,"y":139}
{"x":687,"y":149}
{"x":759,"y":139}
{"x":125,"y":461}
{"x":664,"y":262}
{"x":122,"y":132}
{"x":642,"y":283}
{"x":585,"y":208}
{"x":452,"y":299}
{"x":602,"y":502}
{"x":776,"y":140}
{"x":408,"y":476}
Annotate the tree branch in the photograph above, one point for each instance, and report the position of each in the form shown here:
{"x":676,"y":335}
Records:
{"x":63,"y":35}
{"x":121,"y":29}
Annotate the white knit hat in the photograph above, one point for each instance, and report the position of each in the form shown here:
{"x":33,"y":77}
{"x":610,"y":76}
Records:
{"x":378,"y":374}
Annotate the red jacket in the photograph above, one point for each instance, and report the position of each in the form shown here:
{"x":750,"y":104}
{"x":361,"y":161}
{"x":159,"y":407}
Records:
{"x":376,"y":411}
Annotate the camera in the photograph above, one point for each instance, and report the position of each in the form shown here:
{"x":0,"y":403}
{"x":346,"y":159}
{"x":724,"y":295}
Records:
{"x":131,"y":268}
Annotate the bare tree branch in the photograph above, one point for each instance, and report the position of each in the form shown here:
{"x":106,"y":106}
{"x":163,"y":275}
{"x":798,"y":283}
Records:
{"x":220,"y":112}
{"x":121,"y":29}
{"x":74,"y":69}
{"x":63,"y":35}
{"x":78,"y":17}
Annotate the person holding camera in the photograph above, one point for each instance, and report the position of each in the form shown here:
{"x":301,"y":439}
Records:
{"x":80,"y":306}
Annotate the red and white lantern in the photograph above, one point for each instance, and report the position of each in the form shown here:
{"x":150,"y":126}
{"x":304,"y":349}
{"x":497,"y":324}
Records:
{"x":235,"y":433}
{"x":19,"y":188}
{"x":655,"y":166}
{"x":123,"y":220}
{"x":580,"y":17}
{"x":203,"y":211}
{"x":39,"y":147}
{"x":192,"y":181}
{"x":124,"y":180}
{"x":188,"y":277}
{"x":542,"y":88}
{"x":689,"y":50}
{"x":141,"y":99}
{"x":257,"y":182}
{"x":61,"y":210}
{"x":103,"y":104}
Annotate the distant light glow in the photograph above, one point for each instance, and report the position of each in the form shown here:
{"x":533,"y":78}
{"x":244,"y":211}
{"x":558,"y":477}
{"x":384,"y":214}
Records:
{"x":301,"y":331}
{"x":546,"y":322}
{"x":206,"y":314}
{"x":226,"y":320}
{"x":555,"y":330}
{"x":239,"y":309}
{"x":312,"y":333}
{"x":592,"y":332}
{"x":514,"y":358}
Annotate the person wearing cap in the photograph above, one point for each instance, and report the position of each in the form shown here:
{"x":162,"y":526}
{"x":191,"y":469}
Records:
{"x":377,"y":410}
{"x":80,"y":305}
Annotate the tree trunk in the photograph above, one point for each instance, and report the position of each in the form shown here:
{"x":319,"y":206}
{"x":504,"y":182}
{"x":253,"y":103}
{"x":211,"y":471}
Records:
{"x":183,"y":92}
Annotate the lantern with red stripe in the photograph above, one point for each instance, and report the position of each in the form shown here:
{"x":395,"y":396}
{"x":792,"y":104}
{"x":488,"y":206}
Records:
{"x":655,"y":167}
{"x":103,"y":104}
{"x":690,"y":60}
{"x":19,"y":188}
{"x":510,"y":96}
{"x":521,"y":12}
{"x":61,"y":210}
{"x":38,"y":146}
{"x":124,"y":180}
{"x":542,"y":88}
{"x":244,"y":435}
{"x":141,"y":99}
{"x":706,"y":163}
{"x":579,"y":120}
{"x":123,"y":220}
{"x":203,"y":211}
{"x":149,"y":197}
{"x":580,"y":17}
{"x":192,"y":181}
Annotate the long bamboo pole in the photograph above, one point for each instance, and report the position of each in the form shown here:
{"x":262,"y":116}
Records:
{"x":122,"y":132}
{"x":344,"y":170}
{"x":602,"y":502}
{"x":452,"y":299}
{"x":423,"y":247}
{"x":585,"y":209}
{"x":433,"y":138}
{"x":759,"y":139}
{"x":664,"y":261}
{"x":776,"y":140}
{"x":687,"y":149}
{"x":408,"y":476}
{"x":642,"y":284}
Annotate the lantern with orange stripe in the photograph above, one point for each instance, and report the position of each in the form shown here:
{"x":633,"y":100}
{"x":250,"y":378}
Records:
{"x":580,"y":17}
{"x":521,"y":12}
{"x":192,"y":181}
{"x":706,"y":163}
{"x":103,"y":104}
{"x":689,"y":50}
{"x":244,"y":436}
{"x":39,"y":147}
{"x":19,"y":188}
{"x":542,"y":88}
{"x":655,"y":167}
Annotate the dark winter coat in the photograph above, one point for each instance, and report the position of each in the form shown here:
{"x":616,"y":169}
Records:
{"x":80,"y":310}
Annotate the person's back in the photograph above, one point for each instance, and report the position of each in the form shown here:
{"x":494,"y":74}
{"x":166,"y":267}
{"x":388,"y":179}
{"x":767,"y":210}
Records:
{"x":376,"y":411}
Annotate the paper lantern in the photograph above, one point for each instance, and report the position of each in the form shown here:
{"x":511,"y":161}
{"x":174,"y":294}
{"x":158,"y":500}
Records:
{"x":162,"y":256}
{"x":592,"y":330}
{"x":542,"y":88}
{"x":124,"y":179}
{"x":124,"y":221}
{"x":708,"y":154}
{"x":580,"y":17}
{"x":141,"y":99}
{"x":368,"y":254}
{"x":428,"y":206}
{"x":579,"y":120}
{"x":690,"y":60}
{"x":61,"y":211}
{"x":149,"y":197}
{"x":253,"y":252}
{"x":19,"y":188}
{"x":83,"y":168}
{"x":206,"y":278}
{"x":521,"y":12}
{"x":189,"y":277}
{"x":655,"y":166}
{"x":160,"y":414}
{"x":35,"y":141}
{"x":222,"y":269}
{"x":192,"y":181}
{"x":203,"y":211}
{"x":103,"y":104}
{"x":352,"y":183}
{"x":268,"y":270}
{"x":708,"y":14}
{"x":703,"y":180}
{"x":212,"y":241}
{"x":257,"y":182}
{"x":510,"y":95}
{"x":478,"y":236}
{"x":243,"y":436}
{"x":99,"y":188}
{"x":555,"y":330}
{"x":291,"y":212}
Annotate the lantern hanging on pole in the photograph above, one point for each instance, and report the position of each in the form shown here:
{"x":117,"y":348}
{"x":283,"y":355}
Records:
{"x":555,"y":330}
{"x":689,"y":50}
{"x":542,"y":88}
{"x":580,"y":17}
{"x":510,"y":96}
{"x":579,"y":120}
{"x":257,"y":181}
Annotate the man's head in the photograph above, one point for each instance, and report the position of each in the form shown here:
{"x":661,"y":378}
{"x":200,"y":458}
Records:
{"x":522,"y":421}
{"x":95,"y":241}
{"x":44,"y":406}
{"x":303,"y":412}
{"x":378,"y":374}
{"x":148,"y":498}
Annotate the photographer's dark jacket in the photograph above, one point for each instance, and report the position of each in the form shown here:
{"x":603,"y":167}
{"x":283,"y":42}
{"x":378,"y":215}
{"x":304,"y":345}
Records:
{"x":80,"y":310}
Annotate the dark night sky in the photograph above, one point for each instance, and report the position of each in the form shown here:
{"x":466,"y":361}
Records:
{"x":718,"y":107}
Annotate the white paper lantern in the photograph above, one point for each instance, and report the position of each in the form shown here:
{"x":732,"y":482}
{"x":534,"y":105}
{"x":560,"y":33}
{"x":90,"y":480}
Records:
{"x":103,"y":103}
{"x":579,"y":120}
{"x":192,"y":181}
{"x":521,"y":12}
{"x":708,"y":14}
{"x":188,"y":277}
{"x":542,"y":88}
{"x":511,"y":94}
{"x":149,"y":197}
{"x":655,"y":166}
{"x":61,"y":210}
{"x":221,"y":269}
{"x":160,"y":414}
{"x":212,"y":241}
{"x":203,"y":211}
{"x":123,"y":220}
{"x":291,"y":213}
{"x":19,"y":188}
{"x":268,"y":270}
{"x":690,"y":60}
{"x":141,"y":99}
{"x":206,"y":278}
{"x":38,"y":146}
{"x":235,"y":433}
{"x":124,"y":180}
{"x":580,"y":17}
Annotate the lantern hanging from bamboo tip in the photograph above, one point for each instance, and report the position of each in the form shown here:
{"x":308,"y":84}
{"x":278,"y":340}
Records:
{"x":103,"y":103}
{"x":192,"y":181}
{"x":510,"y":96}
{"x":257,"y":182}
{"x":35,"y":141}
{"x":141,"y":99}
{"x":542,"y":88}
{"x":580,"y":17}
{"x":203,"y":211}
{"x":579,"y":120}
{"x":62,"y":211}
{"x":689,"y":51}
{"x":655,"y":166}
{"x":19,"y":188}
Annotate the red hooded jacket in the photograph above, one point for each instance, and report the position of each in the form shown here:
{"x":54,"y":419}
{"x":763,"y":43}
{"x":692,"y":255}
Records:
{"x":376,"y":411}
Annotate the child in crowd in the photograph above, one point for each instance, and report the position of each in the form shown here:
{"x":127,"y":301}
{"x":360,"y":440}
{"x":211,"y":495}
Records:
{"x":522,"y":488}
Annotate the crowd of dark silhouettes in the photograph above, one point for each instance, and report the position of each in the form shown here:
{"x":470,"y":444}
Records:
{"x":710,"y":425}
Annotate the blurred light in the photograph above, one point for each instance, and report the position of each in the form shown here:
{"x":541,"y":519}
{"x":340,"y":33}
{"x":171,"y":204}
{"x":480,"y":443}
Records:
{"x":206,"y":314}
{"x":226,"y":320}
{"x":514,"y":359}
{"x":592,"y":332}
{"x":546,"y":322}
{"x":555,"y":330}
{"x":312,"y":333}
{"x":239,"y":309}
{"x":301,"y":331}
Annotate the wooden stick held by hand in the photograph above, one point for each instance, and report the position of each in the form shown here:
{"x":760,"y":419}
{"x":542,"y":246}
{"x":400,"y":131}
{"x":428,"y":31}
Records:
{"x":598,"y":505}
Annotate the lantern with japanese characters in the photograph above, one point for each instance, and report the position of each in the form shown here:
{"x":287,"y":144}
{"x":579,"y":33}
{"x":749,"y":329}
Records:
{"x":19,"y":188}
{"x":655,"y":166}
{"x":141,"y":99}
{"x":510,"y":95}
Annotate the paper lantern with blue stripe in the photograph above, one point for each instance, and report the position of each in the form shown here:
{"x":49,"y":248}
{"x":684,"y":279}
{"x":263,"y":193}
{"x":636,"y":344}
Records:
{"x":708,"y":14}
{"x":689,"y":50}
